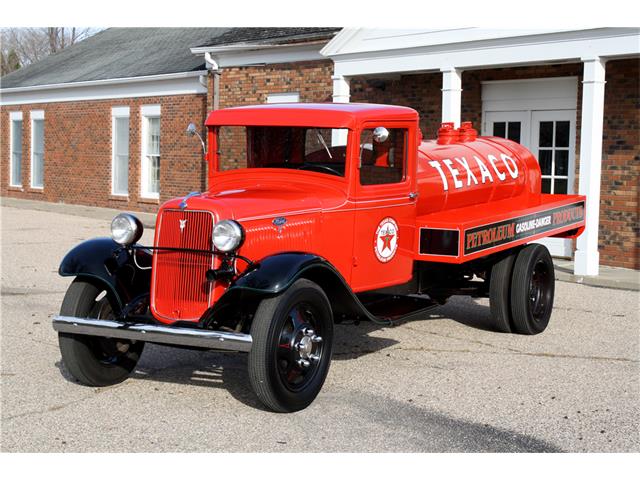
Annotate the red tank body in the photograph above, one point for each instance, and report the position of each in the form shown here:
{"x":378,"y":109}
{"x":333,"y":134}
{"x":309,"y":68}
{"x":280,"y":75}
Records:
{"x":469,"y":170}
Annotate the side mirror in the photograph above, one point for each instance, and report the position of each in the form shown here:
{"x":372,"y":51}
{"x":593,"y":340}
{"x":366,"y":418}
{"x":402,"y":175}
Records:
{"x":192,"y":131}
{"x":380,"y":134}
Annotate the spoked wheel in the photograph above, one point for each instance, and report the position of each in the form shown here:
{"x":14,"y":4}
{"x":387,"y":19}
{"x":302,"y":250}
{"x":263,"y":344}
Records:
{"x":95,"y":361}
{"x":291,"y":351}
{"x":532,"y":290}
{"x":300,"y":347}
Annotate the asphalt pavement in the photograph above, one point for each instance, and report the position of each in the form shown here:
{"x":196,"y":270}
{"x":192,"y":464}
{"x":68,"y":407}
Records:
{"x":443,"y":383}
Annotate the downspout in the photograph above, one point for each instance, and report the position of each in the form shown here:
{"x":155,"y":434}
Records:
{"x":213,"y":67}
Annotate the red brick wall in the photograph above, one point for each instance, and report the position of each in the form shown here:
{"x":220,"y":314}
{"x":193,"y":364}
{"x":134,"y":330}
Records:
{"x":422,"y":92}
{"x":619,"y":237}
{"x":77,"y":160}
{"x":252,"y":85}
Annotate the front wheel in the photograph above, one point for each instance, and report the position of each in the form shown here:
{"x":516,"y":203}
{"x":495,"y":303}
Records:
{"x":95,"y":361}
{"x":292,"y":339}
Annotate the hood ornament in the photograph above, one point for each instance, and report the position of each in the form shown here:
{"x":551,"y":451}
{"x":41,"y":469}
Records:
{"x":183,"y":203}
{"x":279,"y":222}
{"x":183,"y":224}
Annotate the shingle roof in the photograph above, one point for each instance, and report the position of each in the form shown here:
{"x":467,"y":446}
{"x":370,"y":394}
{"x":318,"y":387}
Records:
{"x":136,"y":52}
{"x":118,"y":53}
{"x":270,"y":35}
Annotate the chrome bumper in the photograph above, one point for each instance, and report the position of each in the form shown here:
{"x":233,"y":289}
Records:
{"x":190,"y":337}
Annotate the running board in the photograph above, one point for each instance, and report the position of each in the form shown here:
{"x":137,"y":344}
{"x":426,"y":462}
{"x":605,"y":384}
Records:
{"x":191,"y":337}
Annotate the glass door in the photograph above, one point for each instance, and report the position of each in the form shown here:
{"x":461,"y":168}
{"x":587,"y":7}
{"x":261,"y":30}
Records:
{"x":553,"y":138}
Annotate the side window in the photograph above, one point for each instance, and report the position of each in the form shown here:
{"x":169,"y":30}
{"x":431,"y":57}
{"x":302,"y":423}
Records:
{"x":150,"y":151}
{"x":16,"y":149}
{"x":120,"y":151}
{"x":37,"y":149}
{"x":383,"y":155}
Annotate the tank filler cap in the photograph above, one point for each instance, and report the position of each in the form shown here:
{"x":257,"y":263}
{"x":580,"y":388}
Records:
{"x":466,"y":132}
{"x":447,"y":134}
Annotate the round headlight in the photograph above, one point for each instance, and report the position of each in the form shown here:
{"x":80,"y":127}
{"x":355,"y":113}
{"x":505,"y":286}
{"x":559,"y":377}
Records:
{"x":126,"y":229}
{"x":227,"y":235}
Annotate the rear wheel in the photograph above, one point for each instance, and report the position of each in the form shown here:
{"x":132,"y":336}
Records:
{"x":500,"y":293}
{"x":95,"y":361}
{"x":532,"y":290}
{"x":292,"y":338}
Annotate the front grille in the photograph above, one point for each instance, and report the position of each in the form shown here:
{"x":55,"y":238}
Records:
{"x":179,"y":289}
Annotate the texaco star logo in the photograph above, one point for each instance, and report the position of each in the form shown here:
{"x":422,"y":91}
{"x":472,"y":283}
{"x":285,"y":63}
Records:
{"x":386,"y":240}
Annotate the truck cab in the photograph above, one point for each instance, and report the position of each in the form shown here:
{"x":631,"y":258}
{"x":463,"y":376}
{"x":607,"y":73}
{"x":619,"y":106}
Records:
{"x":316,"y":214}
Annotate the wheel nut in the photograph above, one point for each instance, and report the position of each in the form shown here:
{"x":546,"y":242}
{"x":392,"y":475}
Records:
{"x":303,"y":363}
{"x":309,"y":332}
{"x":314,"y":358}
{"x":316,"y":339}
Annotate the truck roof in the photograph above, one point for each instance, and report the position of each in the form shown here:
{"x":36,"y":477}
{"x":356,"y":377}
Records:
{"x":326,"y":115}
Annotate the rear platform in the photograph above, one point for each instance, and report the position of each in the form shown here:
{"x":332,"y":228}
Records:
{"x":463,"y":234}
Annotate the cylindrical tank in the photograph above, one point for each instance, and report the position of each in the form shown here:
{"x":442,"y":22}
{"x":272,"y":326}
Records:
{"x":460,"y":169}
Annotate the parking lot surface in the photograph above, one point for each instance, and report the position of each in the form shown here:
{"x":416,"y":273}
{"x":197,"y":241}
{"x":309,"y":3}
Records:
{"x":443,"y":383}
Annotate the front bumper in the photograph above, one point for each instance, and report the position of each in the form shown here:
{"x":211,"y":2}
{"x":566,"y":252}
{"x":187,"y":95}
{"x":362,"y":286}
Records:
{"x":179,"y":336}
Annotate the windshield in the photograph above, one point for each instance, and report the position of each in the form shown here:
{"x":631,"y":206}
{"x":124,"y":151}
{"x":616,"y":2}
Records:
{"x":320,"y":150}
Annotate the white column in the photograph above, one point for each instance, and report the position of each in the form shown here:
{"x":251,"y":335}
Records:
{"x":587,"y":258}
{"x":451,"y":95}
{"x":341,"y":89}
{"x":341,"y":94}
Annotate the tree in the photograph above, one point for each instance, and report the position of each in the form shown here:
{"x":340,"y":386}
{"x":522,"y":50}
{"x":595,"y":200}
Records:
{"x":22,"y":46}
{"x":9,"y":62}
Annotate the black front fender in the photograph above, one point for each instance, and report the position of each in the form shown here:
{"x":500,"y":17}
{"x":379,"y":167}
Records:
{"x":274,"y":274}
{"x":103,"y":261}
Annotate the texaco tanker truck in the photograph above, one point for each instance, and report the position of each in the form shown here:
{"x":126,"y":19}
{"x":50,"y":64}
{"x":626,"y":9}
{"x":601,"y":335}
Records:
{"x":316,"y":214}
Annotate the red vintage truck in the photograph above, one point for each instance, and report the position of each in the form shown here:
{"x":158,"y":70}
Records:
{"x":316,"y":214}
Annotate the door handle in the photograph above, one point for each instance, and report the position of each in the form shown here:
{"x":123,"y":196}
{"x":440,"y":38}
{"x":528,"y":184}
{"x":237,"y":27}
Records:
{"x":413,"y":195}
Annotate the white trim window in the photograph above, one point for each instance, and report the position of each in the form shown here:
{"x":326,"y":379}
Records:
{"x":150,"y":171}
{"x":37,"y":149}
{"x":289,"y":97}
{"x":15,"y":139}
{"x":120,"y":151}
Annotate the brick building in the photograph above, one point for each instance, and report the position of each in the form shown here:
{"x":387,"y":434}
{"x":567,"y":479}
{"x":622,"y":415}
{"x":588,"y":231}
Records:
{"x":104,"y":122}
{"x":545,"y":89}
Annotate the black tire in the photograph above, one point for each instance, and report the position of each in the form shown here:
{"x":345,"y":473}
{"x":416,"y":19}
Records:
{"x":94,"y":361}
{"x":532,"y":290}
{"x":280,"y":324}
{"x":500,"y":293}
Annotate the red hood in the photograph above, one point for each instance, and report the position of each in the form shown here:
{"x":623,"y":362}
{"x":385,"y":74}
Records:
{"x":244,"y":195}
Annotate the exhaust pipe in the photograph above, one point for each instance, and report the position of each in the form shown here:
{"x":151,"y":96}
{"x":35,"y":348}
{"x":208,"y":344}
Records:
{"x":190,"y":337}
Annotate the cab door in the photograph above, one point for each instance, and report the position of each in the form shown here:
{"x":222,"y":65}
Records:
{"x":386,"y":199}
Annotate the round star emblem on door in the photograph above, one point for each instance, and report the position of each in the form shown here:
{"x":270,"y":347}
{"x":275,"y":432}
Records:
{"x":386,"y":239}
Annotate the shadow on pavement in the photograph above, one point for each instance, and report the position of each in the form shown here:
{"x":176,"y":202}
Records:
{"x":408,"y":423}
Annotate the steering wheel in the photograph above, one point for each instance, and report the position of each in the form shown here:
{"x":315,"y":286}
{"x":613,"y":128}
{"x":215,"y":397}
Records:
{"x":324,"y":168}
